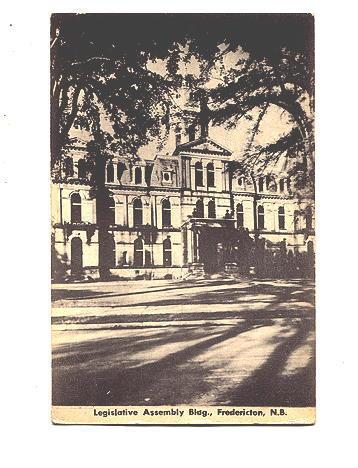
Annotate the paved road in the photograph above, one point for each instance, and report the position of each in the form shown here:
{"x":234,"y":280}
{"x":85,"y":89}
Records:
{"x":235,"y":355}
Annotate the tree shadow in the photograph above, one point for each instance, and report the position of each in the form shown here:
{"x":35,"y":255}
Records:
{"x":78,"y":294}
{"x":111,"y":386}
{"x":268,"y":386}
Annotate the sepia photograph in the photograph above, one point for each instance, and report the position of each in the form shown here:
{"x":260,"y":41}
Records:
{"x":182,"y":218}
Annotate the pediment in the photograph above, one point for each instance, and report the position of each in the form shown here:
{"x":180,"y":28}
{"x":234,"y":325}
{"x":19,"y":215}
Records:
{"x":202,"y":146}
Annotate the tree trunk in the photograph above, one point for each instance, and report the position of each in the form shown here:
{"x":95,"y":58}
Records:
{"x":101,"y":214}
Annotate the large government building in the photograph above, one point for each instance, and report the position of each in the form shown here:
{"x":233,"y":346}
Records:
{"x":174,"y":214}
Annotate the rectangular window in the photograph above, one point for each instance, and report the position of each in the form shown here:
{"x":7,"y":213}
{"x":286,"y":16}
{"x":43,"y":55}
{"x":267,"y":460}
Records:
{"x":261,"y":217}
{"x":281,"y":217}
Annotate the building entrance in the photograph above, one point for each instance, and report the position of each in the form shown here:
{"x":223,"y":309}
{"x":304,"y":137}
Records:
{"x":211,"y":252}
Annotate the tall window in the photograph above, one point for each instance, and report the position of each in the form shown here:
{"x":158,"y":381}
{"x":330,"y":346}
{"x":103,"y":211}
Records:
{"x":271,"y":184}
{"x":260,"y":217}
{"x":210,"y":172}
{"x":81,"y":169}
{"x":282,"y":185}
{"x":138,"y":252}
{"x":281,"y":217}
{"x":166,"y":213}
{"x":199,"y":208}
{"x":240,"y":215}
{"x":198,"y":174}
{"x":110,"y":172}
{"x":261,"y":184}
{"x":191,"y":132}
{"x":167,"y":252}
{"x":308,"y":218}
{"x":137,"y":212}
{"x":211,"y":209}
{"x":76,"y":210}
{"x":121,"y":167}
{"x":68,"y":166}
{"x":138,"y":175}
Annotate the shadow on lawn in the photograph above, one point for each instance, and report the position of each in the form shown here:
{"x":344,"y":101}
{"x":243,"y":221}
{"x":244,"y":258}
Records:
{"x":292,"y":293}
{"x":98,"y":373}
{"x":78,"y":294}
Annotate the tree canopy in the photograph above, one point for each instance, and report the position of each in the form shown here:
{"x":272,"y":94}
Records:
{"x":244,"y":64}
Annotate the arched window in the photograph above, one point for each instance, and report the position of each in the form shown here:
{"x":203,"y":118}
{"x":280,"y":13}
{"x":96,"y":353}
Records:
{"x":282,"y":185}
{"x":167,"y":252}
{"x":199,"y":208}
{"x":191,"y":132}
{"x":76,"y":210}
{"x":260,"y":217}
{"x":308,"y":218}
{"x":271,"y":184}
{"x":210,"y":175}
{"x":76,"y":256}
{"x":121,"y":167}
{"x":166,"y":213}
{"x":261,"y":184}
{"x":281,"y":217}
{"x":211,"y":209}
{"x":241,"y":181}
{"x":81,"y":165}
{"x":138,"y":175}
{"x":110,"y":172}
{"x":137,"y":212}
{"x":268,"y":182}
{"x":198,"y":174}
{"x":111,"y":211}
{"x":138,"y":258}
{"x":240,"y":215}
{"x":68,"y":166}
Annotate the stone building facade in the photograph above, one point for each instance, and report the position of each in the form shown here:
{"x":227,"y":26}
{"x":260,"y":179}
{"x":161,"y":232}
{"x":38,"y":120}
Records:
{"x":174,"y":215}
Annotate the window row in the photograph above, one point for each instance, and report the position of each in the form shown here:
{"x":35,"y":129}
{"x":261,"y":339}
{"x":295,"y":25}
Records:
{"x":198,"y":211}
{"x":139,"y":254}
{"x":261,"y":217}
{"x":76,"y":211}
{"x":281,"y":218}
{"x":199,"y":175}
{"x":81,"y":168}
{"x":269,"y":183}
{"x":121,"y":167}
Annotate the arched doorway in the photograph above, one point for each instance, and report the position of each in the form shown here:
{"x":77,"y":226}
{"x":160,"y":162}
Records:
{"x":76,"y":256}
